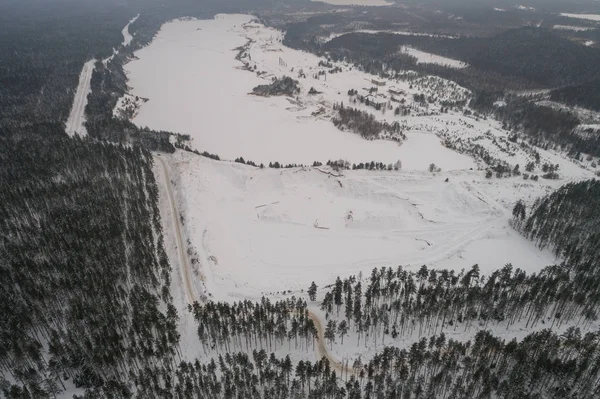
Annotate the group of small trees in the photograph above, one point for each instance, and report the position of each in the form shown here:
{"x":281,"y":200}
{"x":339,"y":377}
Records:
{"x":364,"y":123}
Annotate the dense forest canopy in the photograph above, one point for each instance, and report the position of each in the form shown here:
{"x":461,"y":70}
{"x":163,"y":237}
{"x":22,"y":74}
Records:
{"x":567,"y":221}
{"x":85,"y":282}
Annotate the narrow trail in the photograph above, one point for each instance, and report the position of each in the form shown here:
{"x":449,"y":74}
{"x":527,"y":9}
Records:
{"x":184,"y":264}
{"x":322,"y":351}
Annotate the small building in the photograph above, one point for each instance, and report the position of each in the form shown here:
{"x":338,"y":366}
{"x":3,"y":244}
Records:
{"x":397,"y":91}
{"x":375,"y":101}
{"x":378,"y":82}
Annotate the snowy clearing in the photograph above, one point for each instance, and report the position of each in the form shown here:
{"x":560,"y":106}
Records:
{"x":392,"y":32}
{"x":76,"y":120}
{"x":245,"y":232}
{"x":259,"y":230}
{"x":589,"y":17}
{"x":573,"y":28}
{"x":428,"y":58}
{"x":372,"y":3}
{"x":525,"y":8}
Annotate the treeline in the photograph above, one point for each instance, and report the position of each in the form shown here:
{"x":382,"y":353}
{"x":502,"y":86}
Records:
{"x":365,"y":124}
{"x":543,"y":365}
{"x":566,"y":221}
{"x":545,"y":126}
{"x":85,"y":281}
{"x":108,"y":83}
{"x":284,"y":86}
{"x":395,"y":303}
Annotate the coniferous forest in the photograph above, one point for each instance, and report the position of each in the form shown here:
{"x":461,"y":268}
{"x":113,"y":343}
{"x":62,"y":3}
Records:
{"x":85,"y":281}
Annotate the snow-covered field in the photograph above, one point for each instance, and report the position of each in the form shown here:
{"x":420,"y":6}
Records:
{"x":428,"y":58}
{"x":590,"y":17}
{"x":203,"y":91}
{"x":264,"y":230}
{"x":127,"y":37}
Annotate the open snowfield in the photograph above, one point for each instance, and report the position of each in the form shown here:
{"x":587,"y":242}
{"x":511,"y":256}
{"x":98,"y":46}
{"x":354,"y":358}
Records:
{"x":127,"y":37}
{"x":573,"y":28}
{"x":428,"y":58}
{"x":589,"y":17}
{"x":258,"y":231}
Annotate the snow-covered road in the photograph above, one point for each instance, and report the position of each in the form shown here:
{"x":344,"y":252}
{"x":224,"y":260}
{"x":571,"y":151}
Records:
{"x":76,"y":121}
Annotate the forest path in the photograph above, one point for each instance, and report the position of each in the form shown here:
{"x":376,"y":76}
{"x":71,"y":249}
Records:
{"x":322,"y":351}
{"x":184,"y":263}
{"x":76,"y":120}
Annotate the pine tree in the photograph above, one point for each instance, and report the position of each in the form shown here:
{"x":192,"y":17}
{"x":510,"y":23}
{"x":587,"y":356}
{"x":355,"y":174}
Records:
{"x":312,"y":292}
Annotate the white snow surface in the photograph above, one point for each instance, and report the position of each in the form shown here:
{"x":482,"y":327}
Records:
{"x":127,"y":37}
{"x":372,"y":3}
{"x":589,"y":17}
{"x":525,"y":8}
{"x":264,"y":230}
{"x":428,"y":58}
{"x":76,"y":121}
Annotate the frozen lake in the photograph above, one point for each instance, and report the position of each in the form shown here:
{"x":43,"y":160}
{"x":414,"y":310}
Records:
{"x":196,"y":86}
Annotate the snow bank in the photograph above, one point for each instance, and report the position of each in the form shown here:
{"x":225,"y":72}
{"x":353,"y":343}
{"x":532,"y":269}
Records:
{"x":428,"y":58}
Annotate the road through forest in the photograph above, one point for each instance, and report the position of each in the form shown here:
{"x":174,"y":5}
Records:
{"x":76,"y":120}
